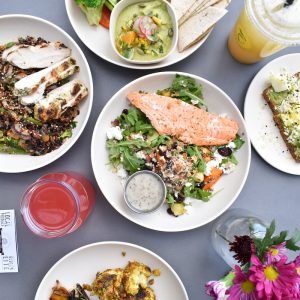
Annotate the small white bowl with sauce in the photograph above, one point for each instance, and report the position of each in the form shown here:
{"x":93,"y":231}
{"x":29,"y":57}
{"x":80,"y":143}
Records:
{"x":145,"y":192}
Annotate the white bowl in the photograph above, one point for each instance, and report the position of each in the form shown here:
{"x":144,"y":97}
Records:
{"x":14,"y":26}
{"x":82,"y":264}
{"x":97,"y":39}
{"x":114,"y":17}
{"x":228,"y":187}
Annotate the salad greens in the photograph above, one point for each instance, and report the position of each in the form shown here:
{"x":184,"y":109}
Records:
{"x":93,"y":9}
{"x":186,"y":89}
{"x":183,"y":167}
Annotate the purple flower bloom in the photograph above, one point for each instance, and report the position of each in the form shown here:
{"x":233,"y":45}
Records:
{"x":216,"y":289}
{"x":276,"y":252}
{"x":243,"y":288}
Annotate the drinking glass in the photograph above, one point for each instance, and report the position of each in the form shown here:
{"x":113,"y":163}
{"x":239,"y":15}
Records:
{"x":235,"y":222}
{"x":57,"y":204}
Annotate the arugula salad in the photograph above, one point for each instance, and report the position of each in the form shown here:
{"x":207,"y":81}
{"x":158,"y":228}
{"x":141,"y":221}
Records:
{"x":189,"y":171}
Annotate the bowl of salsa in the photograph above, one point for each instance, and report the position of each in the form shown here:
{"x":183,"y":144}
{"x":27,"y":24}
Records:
{"x":143,"y":32}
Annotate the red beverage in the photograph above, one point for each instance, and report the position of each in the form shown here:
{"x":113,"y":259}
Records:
{"x":57,"y":204}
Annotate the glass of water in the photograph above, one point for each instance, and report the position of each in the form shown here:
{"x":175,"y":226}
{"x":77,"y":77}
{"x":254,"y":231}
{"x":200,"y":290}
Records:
{"x":235,"y":222}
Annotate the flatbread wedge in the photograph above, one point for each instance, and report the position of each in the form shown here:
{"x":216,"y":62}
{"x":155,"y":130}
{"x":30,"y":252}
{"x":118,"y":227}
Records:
{"x":201,"y":5}
{"x":195,"y":28}
{"x":182,"y":6}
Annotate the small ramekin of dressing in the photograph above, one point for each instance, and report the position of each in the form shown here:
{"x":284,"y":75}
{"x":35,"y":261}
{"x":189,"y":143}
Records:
{"x":145,"y":192}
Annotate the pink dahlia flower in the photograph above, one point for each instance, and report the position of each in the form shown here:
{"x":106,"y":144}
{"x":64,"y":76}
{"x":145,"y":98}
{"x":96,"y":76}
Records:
{"x":274,"y":281}
{"x":243,"y":288}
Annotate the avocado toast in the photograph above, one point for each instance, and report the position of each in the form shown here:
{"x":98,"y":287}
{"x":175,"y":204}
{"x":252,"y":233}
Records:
{"x":283,"y":97}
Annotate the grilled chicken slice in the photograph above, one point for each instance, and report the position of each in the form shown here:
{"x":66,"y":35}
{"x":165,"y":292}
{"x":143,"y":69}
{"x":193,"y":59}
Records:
{"x":188,"y":123}
{"x":58,"y":100}
{"x":31,"y":88}
{"x":39,"y":56}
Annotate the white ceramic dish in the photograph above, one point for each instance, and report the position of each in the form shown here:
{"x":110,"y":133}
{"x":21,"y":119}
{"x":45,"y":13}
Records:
{"x":81,"y":265}
{"x":14,"y":26}
{"x":202,"y":213}
{"x":264,"y":135}
{"x":97,"y":39}
{"x":114,"y":17}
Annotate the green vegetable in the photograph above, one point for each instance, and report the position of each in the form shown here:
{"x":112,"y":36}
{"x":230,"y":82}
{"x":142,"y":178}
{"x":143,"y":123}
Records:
{"x":233,"y":159}
{"x":170,"y":199}
{"x":239,"y":142}
{"x":160,"y":140}
{"x":9,"y":45}
{"x":277,"y":97}
{"x":4,"y":148}
{"x":194,"y":150}
{"x":92,"y":10}
{"x":10,"y":145}
{"x":33,"y":121}
{"x":66,"y":134}
{"x":131,"y":162}
{"x":196,"y":193}
{"x":110,"y":4}
{"x":188,"y":90}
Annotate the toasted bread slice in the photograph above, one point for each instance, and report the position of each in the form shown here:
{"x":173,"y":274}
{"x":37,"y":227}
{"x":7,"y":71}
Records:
{"x":279,"y":122}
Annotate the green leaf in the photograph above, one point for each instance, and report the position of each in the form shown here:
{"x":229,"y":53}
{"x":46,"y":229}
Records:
{"x":233,"y":159}
{"x":160,"y":140}
{"x":66,"y":134}
{"x":130,"y":162}
{"x":279,"y":239}
{"x":9,"y":45}
{"x":200,"y":164}
{"x":196,"y":193}
{"x":239,"y":142}
{"x":291,"y":243}
{"x":170,"y":199}
{"x":33,"y":121}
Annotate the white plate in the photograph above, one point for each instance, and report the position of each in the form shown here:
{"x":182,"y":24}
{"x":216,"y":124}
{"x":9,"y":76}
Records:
{"x":97,"y":39}
{"x":14,"y":26}
{"x":202,"y":213}
{"x":264,"y":135}
{"x":81,"y":265}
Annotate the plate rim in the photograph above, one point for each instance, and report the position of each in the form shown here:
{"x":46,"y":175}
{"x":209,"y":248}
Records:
{"x":112,"y":243}
{"x":134,"y":66}
{"x":91,"y":93}
{"x":253,"y":143}
{"x":248,"y":143}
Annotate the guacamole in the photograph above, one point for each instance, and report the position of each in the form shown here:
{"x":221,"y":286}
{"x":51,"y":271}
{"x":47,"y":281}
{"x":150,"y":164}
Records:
{"x":144,"y":31}
{"x":287,"y":105}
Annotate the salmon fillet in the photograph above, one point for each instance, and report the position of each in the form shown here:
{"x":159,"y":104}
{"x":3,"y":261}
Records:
{"x":188,"y":123}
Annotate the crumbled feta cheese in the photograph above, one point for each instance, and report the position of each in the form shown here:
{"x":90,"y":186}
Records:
{"x":136,"y":136}
{"x":189,"y":209}
{"x":141,"y":154}
{"x":195,"y":102}
{"x":114,"y":133}
{"x":188,"y":184}
{"x":279,"y":82}
{"x":228,"y":168}
{"x":231,"y":145}
{"x":210,"y":165}
{"x":121,"y":172}
{"x":213,"y":163}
